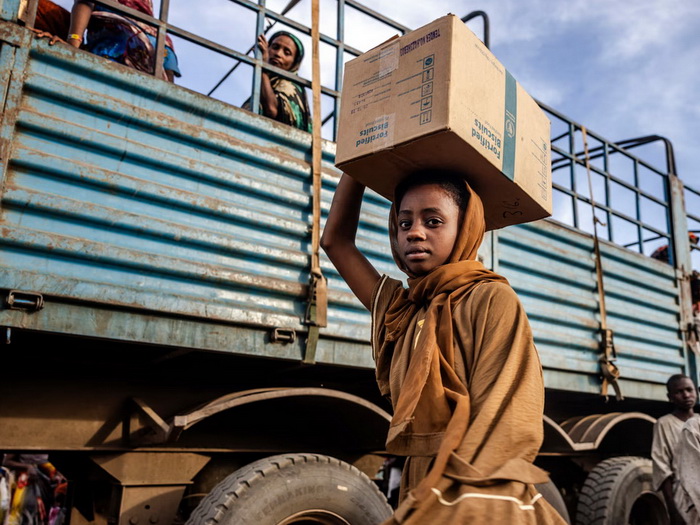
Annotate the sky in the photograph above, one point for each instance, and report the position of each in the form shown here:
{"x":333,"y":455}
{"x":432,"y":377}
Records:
{"x":623,"y":68}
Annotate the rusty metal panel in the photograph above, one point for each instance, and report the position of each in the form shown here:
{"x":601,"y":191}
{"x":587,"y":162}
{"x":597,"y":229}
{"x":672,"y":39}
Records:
{"x":124,"y":193}
{"x":9,"y":9}
{"x":553,"y":271}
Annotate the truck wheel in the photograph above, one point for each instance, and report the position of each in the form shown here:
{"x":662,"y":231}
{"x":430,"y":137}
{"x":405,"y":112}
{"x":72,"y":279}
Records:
{"x":294,"y":488}
{"x":618,"y":491}
{"x":551,"y":494}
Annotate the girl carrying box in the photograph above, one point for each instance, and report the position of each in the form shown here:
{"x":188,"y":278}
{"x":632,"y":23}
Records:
{"x":454,"y":353}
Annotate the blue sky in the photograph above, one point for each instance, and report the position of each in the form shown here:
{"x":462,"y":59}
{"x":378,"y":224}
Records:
{"x":622,"y":68}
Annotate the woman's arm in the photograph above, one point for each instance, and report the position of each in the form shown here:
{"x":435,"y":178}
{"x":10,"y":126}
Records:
{"x":12,"y":461}
{"x":338,"y":240}
{"x":268,"y":97}
{"x":79,"y":19}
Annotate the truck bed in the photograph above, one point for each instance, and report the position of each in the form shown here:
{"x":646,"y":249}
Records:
{"x":144,"y":212}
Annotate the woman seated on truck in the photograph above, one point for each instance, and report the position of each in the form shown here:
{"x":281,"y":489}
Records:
{"x":280,"y":98}
{"x":120,"y":38}
{"x":453,"y":352}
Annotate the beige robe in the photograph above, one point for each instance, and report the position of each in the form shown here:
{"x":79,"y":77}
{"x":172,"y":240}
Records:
{"x":489,"y":476}
{"x":667,"y":431}
{"x":686,"y":486}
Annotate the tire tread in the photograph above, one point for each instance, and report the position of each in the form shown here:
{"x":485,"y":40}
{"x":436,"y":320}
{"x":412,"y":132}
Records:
{"x":214,"y":506}
{"x":593,"y":506}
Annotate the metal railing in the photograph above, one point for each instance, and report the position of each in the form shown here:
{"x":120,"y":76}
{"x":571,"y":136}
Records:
{"x":631,"y":196}
{"x":265,"y":20}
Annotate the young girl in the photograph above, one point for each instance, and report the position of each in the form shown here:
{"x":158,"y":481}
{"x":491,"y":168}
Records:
{"x":454,"y":353}
{"x":280,"y":98}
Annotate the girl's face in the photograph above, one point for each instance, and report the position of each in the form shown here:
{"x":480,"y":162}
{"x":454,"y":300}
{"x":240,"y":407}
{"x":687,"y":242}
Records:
{"x":283,"y":50}
{"x":428,"y":223}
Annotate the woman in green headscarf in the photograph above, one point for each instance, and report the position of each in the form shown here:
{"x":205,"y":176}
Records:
{"x":280,"y":98}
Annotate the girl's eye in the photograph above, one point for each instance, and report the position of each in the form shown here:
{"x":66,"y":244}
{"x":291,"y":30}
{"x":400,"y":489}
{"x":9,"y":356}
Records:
{"x":404,"y":225}
{"x":434,"y":221}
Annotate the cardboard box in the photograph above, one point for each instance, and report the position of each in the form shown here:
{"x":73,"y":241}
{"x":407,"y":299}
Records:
{"x":437,"y":98}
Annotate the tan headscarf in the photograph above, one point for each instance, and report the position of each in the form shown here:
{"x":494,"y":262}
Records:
{"x":439,"y":289}
{"x":463,"y":423}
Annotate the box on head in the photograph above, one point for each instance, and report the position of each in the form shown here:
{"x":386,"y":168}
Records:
{"x":437,"y":98}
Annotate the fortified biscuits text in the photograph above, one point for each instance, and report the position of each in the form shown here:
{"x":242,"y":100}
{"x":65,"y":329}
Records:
{"x":373,"y":133}
{"x":487,"y":138}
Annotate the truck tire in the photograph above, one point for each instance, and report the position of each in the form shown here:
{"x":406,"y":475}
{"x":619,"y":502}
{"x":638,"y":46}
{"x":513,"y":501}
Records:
{"x":618,"y":491}
{"x":551,"y":494}
{"x":294,"y":488}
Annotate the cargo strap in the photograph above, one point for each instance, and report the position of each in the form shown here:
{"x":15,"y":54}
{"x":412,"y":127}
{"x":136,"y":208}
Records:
{"x":317,"y":305}
{"x":607,"y":354}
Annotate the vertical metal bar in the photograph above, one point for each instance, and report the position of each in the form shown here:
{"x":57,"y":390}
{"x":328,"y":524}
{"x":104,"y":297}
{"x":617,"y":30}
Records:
{"x":669,"y":188}
{"x":606,"y":169}
{"x":679,"y":245}
{"x":30,"y":14}
{"x":493,"y":261}
{"x":159,"y":70}
{"x":339,"y":60}
{"x":572,"y":173}
{"x":164,"y":10}
{"x":608,"y":199}
{"x":681,"y":249}
{"x":257,"y":69}
{"x":670,"y":224}
{"x":637,"y":205}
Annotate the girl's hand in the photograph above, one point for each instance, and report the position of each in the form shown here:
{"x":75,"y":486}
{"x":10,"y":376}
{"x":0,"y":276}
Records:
{"x":264,"y":48}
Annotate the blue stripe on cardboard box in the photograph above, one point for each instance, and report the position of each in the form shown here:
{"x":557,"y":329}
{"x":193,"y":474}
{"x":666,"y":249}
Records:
{"x":509,"y":130}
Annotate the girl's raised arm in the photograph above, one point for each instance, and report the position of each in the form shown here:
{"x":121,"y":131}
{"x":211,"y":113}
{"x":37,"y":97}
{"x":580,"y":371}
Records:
{"x":338,"y":240}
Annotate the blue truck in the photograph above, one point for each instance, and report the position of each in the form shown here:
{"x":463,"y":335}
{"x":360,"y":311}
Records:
{"x":165,"y":343}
